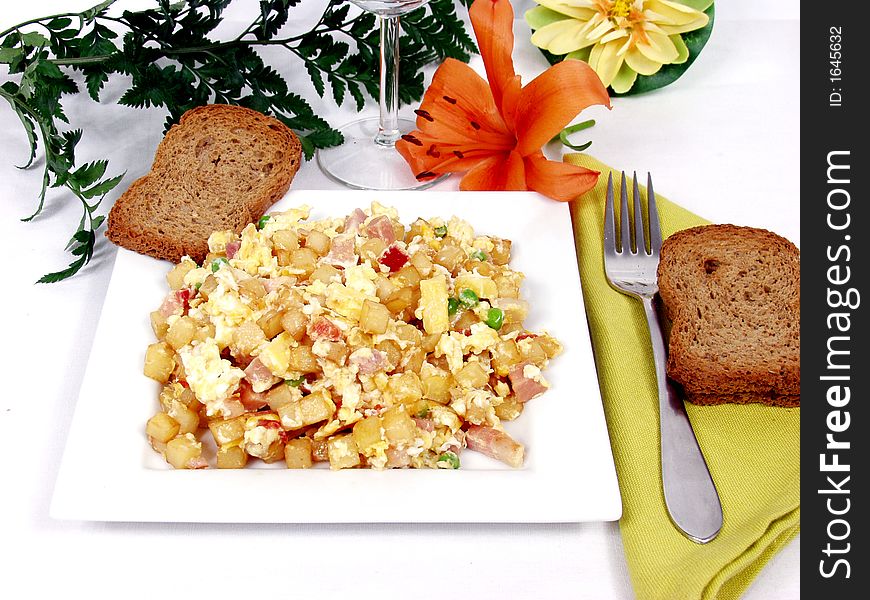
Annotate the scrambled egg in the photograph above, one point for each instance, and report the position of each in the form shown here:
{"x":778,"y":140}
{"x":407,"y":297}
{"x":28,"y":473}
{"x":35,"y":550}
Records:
{"x":277,"y":345}
{"x":212,"y":378}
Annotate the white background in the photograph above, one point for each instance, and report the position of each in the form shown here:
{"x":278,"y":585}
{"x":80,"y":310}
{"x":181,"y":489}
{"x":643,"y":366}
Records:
{"x":723,"y":141}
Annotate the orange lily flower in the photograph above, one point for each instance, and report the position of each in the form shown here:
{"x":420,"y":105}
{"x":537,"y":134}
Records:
{"x":494,"y":131}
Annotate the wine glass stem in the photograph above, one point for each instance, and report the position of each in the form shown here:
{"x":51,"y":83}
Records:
{"x":388,"y":132}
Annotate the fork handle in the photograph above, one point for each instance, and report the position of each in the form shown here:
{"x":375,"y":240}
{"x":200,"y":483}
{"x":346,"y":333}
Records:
{"x":690,"y":495}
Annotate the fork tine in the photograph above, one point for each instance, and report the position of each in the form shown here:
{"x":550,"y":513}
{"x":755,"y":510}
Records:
{"x":639,"y":238}
{"x":609,"y":228}
{"x":655,"y":231}
{"x":624,"y":221}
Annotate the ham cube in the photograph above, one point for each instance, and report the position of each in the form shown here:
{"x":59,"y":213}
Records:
{"x":495,"y":444}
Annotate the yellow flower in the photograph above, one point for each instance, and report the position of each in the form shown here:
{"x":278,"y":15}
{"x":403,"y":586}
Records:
{"x":618,"y":38}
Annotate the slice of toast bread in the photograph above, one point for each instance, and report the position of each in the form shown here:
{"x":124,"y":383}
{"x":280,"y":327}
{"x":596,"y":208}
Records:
{"x":221,"y":167}
{"x":733,"y":297}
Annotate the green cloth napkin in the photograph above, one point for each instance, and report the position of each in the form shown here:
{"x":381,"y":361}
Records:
{"x":753,"y":451}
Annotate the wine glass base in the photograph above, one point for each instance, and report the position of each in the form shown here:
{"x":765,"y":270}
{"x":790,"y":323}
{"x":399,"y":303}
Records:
{"x":363,"y":164}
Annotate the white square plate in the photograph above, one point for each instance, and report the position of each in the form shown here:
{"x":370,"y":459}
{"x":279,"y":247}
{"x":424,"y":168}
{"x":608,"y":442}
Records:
{"x":110,"y":473}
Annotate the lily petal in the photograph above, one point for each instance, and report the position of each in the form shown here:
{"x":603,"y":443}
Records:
{"x":504,"y":172}
{"x":624,"y":80}
{"x":659,"y":48}
{"x":562,"y":37}
{"x":560,"y":181}
{"x":576,"y":10}
{"x":458,"y":107}
{"x":493,"y":24}
{"x":676,"y":18}
{"x":552,"y":99}
{"x":640,"y":63}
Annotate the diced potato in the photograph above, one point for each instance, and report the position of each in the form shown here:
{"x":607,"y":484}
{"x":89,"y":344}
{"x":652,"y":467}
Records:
{"x":508,"y":287}
{"x":343,"y":452}
{"x":404,"y":387}
{"x":501,"y":251}
{"x":505,"y":355}
{"x":374,"y":317}
{"x":162,"y":427}
{"x":407,"y":276}
{"x":158,"y":324}
{"x":465,"y":320}
{"x":297,"y":453}
{"x":450,"y":257}
{"x":326,"y":274}
{"x":399,"y":300}
{"x":436,"y":386}
{"x":385,"y":287}
{"x":484,"y":287}
{"x":188,"y":420}
{"x":399,"y":427}
{"x":184,"y":452}
{"x":181,"y":332}
{"x":514,"y":309}
{"x":480,"y":267}
{"x":252,"y":288}
{"x":335,"y":351}
{"x":208,"y":286}
{"x":550,"y":345}
{"x":281,"y":395}
{"x":472,"y":375}
{"x":274,"y":453}
{"x":276,"y":355}
{"x":509,"y":409}
{"x":311,"y":409}
{"x":303,"y":360}
{"x":372,"y":249}
{"x":318,"y":241}
{"x":203,"y":332}
{"x":247,"y":337}
{"x":409,"y":333}
{"x":398,"y":230}
{"x":433,"y":303}
{"x":320,"y":450}
{"x":226,"y":431}
{"x":175,"y":277}
{"x":270,"y":323}
{"x":175,"y":393}
{"x":419,"y":227}
{"x":430,"y":341}
{"x":412,"y":360}
{"x":367,"y":434}
{"x":421,"y":262}
{"x":285,"y":239}
{"x":159,"y":362}
{"x":231,"y":457}
{"x":304,"y":260}
{"x":531,"y":350}
{"x":294,"y":322}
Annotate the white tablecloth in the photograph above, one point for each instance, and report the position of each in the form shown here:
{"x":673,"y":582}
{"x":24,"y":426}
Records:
{"x":723,"y":141}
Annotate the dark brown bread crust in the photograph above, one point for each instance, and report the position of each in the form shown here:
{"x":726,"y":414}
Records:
{"x":733,"y":296}
{"x":221,"y":167}
{"x":746,"y":398}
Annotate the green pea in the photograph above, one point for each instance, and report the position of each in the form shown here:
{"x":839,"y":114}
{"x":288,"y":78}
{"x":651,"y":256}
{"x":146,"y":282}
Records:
{"x":441,"y":231}
{"x":468,"y":299}
{"x":216,"y":264}
{"x":452,"y":306}
{"x":495,"y":318}
{"x":450,"y":458}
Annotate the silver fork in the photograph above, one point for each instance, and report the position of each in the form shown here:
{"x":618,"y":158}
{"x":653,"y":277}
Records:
{"x":690,"y":495}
